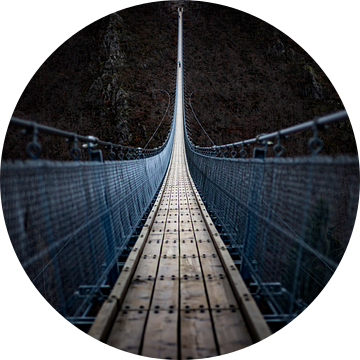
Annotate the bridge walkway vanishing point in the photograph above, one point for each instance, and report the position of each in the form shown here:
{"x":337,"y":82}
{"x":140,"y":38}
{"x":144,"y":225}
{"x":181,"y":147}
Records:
{"x":180,"y":294}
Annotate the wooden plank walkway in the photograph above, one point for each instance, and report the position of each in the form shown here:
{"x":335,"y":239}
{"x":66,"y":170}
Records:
{"x":180,"y":295}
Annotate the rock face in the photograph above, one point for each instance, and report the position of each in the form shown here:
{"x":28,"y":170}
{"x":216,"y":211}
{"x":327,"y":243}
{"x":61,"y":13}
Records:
{"x":103,"y":82}
{"x":109,"y":81}
{"x":312,"y":89}
{"x":106,"y":96}
{"x":249,"y":78}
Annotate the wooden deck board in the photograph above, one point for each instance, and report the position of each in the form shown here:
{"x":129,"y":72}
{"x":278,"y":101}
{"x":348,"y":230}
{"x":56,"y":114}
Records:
{"x":196,"y":335}
{"x":190,"y":267}
{"x":220,"y":293}
{"x":231,"y":331}
{"x":160,"y":339}
{"x":192,"y":295}
{"x":147,"y":269}
{"x":126,"y":334}
{"x":166,"y":294}
{"x":138,"y":296}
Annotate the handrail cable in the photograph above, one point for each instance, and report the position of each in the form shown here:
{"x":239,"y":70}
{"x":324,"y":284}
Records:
{"x":65,"y":134}
{"x":320,"y":121}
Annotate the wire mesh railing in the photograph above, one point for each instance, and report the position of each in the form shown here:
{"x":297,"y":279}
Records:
{"x":290,"y":219}
{"x":287,"y":220}
{"x":69,"y":221}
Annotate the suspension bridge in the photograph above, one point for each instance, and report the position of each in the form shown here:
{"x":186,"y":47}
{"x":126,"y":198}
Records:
{"x":181,"y":252}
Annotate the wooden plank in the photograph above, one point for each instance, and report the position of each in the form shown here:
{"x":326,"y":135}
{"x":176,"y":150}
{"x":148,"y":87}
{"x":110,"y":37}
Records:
{"x":186,"y":225}
{"x":220,"y":293}
{"x":138,"y":295}
{"x":185,"y":218}
{"x":196,"y":335}
{"x":187,"y":233}
{"x":153,"y":245}
{"x":168,"y":266}
{"x":231,"y":331}
{"x":199,"y":228}
{"x":172,"y":225}
{"x":190,"y":267}
{"x":211,"y":265}
{"x":188,"y":246}
{"x":158,"y":227}
{"x":147,"y":267}
{"x":206,"y":246}
{"x":166,"y":293}
{"x":160,"y":338}
{"x":171,"y":236}
{"x":192,"y":295}
{"x":185,"y":213}
{"x":171,"y":247}
{"x":203,"y":235}
{"x":173,"y":214}
{"x":161,"y":215}
{"x":126,"y":334}
{"x":103,"y":322}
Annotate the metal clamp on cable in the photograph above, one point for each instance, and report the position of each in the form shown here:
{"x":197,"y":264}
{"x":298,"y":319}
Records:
{"x":95,"y":155}
{"x":258,"y":139}
{"x":91,"y":144}
{"x":260,"y":153}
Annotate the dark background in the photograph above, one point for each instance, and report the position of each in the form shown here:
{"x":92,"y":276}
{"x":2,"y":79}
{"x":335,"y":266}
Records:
{"x":316,"y":331}
{"x":247,"y":78}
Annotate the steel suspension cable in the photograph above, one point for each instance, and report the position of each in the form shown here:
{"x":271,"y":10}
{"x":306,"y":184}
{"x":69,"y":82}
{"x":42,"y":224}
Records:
{"x":161,"y":119}
{"x":198,"y":119}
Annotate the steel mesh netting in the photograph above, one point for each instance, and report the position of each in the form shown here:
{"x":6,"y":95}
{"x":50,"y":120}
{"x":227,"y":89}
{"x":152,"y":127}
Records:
{"x":68,"y":221}
{"x":290,"y":219}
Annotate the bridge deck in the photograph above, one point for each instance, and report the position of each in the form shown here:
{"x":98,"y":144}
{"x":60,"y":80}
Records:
{"x":180,"y":294}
